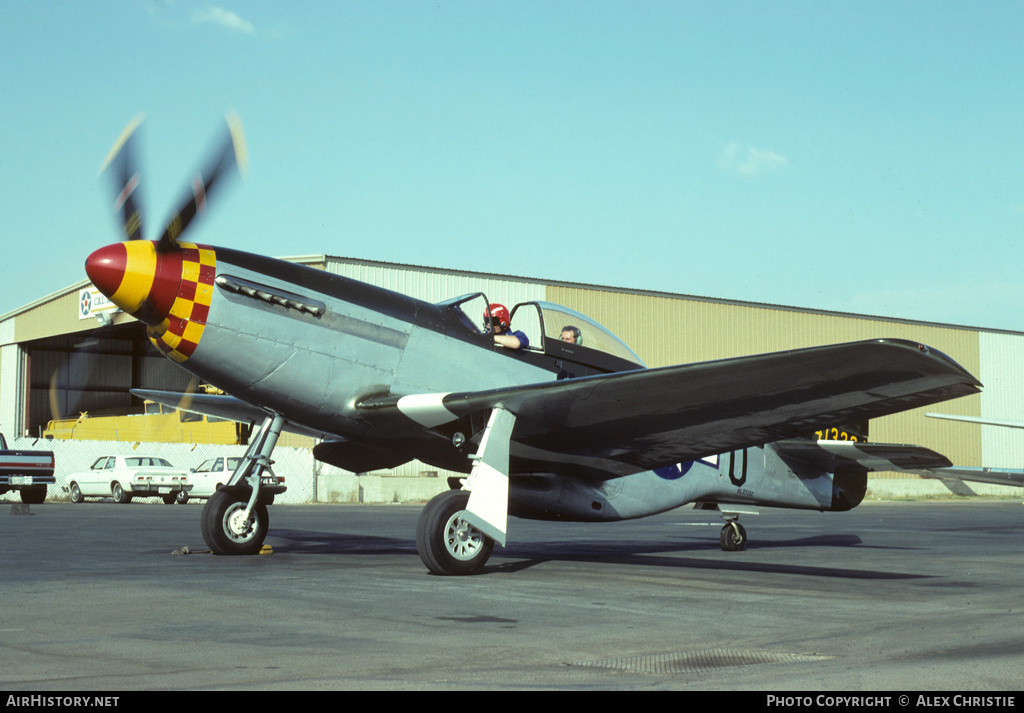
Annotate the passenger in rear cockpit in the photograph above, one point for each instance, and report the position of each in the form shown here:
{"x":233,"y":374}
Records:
{"x":571,"y":334}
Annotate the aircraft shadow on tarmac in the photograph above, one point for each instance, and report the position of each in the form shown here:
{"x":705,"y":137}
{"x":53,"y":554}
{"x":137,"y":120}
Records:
{"x":323,"y":543}
{"x":524,"y":555}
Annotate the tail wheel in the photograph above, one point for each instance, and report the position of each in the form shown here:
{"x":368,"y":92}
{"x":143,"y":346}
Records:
{"x":448,"y":544}
{"x":733,"y":537}
{"x":227,"y":530}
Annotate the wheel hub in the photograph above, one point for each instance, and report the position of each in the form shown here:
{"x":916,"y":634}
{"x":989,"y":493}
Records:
{"x":462,"y":539}
{"x":236,"y":525}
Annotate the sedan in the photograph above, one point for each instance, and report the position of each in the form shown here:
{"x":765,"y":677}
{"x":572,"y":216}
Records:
{"x":213,"y":473}
{"x":124,"y":477}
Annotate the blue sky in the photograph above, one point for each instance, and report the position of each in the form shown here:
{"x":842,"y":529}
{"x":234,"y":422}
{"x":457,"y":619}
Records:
{"x":855,"y":156}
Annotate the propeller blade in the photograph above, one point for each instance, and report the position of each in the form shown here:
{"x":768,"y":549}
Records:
{"x":125,"y":176}
{"x":67,"y":393}
{"x":228,"y":160}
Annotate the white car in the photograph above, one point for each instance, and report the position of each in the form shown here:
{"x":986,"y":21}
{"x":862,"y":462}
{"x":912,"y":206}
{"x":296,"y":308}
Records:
{"x":124,"y":477}
{"x":212,"y":473}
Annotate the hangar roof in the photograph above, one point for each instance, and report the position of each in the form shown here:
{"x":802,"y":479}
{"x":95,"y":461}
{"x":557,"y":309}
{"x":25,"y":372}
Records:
{"x":47,"y":327}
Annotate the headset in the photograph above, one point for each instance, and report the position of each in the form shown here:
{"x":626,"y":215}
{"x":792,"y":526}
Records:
{"x":576,"y":333}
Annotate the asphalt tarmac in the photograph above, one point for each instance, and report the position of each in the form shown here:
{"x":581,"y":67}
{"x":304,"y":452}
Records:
{"x":888,"y":597}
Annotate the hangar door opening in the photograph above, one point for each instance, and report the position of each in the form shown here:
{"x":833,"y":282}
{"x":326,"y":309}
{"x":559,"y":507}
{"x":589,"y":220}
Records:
{"x":92,"y":372}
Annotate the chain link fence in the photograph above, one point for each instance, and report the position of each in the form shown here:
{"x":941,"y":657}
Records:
{"x":296,"y":465}
{"x":307,"y":479}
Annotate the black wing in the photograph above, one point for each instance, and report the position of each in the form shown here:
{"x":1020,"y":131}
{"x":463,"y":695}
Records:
{"x":650,"y":418}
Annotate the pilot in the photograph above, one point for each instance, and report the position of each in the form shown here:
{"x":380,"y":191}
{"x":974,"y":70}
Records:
{"x":497,"y":319}
{"x":571,"y":334}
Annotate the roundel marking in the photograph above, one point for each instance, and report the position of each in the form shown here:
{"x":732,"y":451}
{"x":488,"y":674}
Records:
{"x":674,"y":472}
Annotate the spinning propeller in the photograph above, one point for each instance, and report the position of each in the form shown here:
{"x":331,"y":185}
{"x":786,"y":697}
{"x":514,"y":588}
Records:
{"x":159,"y":282}
{"x":143,"y":277}
{"x":228,"y":159}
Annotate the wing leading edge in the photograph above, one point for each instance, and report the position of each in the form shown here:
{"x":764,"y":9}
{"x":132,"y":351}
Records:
{"x":645,"y":419}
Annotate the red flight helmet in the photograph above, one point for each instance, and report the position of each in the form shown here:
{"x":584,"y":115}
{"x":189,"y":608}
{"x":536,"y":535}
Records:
{"x":497,"y":313}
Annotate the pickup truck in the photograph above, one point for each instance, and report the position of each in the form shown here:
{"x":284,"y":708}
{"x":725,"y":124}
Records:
{"x":27,"y":471}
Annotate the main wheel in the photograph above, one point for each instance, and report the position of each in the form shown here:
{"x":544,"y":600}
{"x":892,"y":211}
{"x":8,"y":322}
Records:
{"x":226,"y":529}
{"x":446,"y":542}
{"x":733,"y":537}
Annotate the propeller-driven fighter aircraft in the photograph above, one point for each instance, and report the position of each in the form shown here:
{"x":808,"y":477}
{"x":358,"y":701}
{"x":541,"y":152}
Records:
{"x":552,"y":430}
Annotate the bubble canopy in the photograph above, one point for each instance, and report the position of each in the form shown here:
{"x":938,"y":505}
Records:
{"x":551,"y":320}
{"x":586,"y":342}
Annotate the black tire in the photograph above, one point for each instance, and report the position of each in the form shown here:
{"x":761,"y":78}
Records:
{"x":733,"y":537}
{"x":33,"y":494}
{"x":181,"y":497}
{"x":169,"y":498}
{"x":222,"y":528}
{"x":76,"y":493}
{"x":118,"y":493}
{"x":447,"y":544}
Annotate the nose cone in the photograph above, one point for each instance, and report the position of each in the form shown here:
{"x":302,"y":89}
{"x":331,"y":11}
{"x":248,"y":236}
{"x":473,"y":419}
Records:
{"x":106,"y":268}
{"x":169,"y":290}
{"x":136,"y":278}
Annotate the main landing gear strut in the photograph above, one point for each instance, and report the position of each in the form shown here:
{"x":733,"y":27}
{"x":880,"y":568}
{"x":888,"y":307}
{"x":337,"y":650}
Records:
{"x":235,"y":519}
{"x":458,"y":528}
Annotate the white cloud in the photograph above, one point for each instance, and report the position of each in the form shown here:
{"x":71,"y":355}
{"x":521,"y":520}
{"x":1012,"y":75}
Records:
{"x":748,"y":161}
{"x":223,"y":18}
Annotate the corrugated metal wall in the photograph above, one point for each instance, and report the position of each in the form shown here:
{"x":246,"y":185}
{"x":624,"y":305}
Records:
{"x":1002,"y":372}
{"x":437,"y":286}
{"x":56,"y":316}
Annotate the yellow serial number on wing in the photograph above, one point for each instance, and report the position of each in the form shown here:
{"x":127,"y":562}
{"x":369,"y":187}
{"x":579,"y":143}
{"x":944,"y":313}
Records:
{"x":834,"y":434}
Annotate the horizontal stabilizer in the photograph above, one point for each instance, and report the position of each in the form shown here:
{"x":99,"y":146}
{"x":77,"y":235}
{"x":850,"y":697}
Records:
{"x":978,"y":419}
{"x":836,"y":456}
{"x":997,"y":476}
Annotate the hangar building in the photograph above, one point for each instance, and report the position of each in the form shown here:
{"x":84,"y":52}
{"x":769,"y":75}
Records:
{"x":69,"y":352}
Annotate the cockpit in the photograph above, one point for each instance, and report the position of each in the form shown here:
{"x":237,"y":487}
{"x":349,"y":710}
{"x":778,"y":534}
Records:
{"x":561,"y":339}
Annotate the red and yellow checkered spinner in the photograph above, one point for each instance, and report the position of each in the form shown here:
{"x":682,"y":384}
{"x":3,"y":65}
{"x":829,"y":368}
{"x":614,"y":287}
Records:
{"x":169,"y":291}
